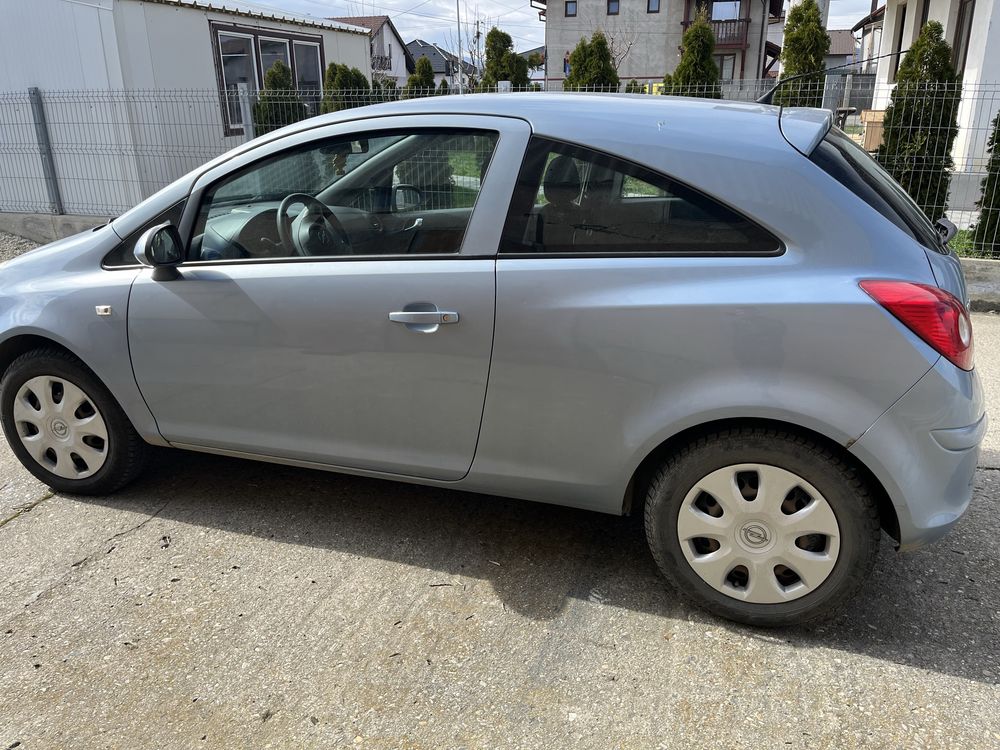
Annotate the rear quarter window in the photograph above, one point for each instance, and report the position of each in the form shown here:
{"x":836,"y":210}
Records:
{"x":855,"y":169}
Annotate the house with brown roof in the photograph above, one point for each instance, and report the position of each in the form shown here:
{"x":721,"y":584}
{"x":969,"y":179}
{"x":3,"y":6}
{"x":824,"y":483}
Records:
{"x":390,"y":59}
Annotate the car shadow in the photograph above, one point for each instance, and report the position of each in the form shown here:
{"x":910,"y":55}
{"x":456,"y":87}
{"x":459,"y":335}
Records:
{"x":934,"y":609}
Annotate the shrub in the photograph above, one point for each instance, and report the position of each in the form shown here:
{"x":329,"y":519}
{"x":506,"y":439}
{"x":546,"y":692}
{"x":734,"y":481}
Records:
{"x":421,"y":81}
{"x":344,"y":88}
{"x":804,"y":51}
{"x":696,"y":74}
{"x":279,"y":103}
{"x":502,"y":62}
{"x":590,"y":66}
{"x":921,"y":122}
{"x":634,"y":87}
{"x":986,"y":233}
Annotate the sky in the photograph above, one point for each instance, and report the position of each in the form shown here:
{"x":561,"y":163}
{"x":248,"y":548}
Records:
{"x":434,"y":20}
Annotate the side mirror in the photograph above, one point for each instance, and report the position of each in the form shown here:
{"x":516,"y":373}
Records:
{"x":160,"y":248}
{"x":406,"y":198}
{"x":946,"y":230}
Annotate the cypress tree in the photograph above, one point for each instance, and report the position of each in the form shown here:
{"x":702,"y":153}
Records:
{"x":696,"y":74}
{"x":804,"y":51}
{"x":502,"y":62}
{"x":279,"y":103}
{"x":590,"y":66}
{"x":920,"y":122}
{"x":986,"y":233}
{"x":421,"y":82}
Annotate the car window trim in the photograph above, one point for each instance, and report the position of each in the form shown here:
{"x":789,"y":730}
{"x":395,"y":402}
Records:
{"x":513,"y":132}
{"x":540,"y":139}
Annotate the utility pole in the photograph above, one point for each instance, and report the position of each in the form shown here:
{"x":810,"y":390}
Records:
{"x":458,"y":16}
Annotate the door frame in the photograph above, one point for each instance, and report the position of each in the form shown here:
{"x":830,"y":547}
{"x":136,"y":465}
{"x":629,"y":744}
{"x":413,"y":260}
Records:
{"x":482,"y":235}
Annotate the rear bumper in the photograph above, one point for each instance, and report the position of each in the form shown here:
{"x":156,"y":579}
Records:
{"x":924,"y":450}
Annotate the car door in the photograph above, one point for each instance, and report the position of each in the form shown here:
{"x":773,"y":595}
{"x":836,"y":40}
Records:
{"x":362,"y":343}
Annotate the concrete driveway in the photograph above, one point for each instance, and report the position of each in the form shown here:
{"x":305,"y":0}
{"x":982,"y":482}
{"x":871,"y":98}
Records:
{"x":222,"y":603}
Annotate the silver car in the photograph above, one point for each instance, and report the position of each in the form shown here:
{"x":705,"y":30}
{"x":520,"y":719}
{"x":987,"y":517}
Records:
{"x":723,"y":316}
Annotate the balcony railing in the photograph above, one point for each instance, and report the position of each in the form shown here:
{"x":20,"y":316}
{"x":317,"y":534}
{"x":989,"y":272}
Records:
{"x":381,"y":62}
{"x":731,"y":33}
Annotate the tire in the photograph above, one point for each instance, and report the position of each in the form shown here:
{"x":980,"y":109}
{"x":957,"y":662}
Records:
{"x":788,"y":499}
{"x":93,"y":450}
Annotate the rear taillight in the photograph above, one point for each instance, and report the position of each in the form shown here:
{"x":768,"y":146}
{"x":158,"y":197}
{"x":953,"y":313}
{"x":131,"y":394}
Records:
{"x":936,"y":316}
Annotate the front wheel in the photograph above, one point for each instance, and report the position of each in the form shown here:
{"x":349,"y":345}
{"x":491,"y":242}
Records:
{"x":65,"y":426}
{"x":763,"y":527}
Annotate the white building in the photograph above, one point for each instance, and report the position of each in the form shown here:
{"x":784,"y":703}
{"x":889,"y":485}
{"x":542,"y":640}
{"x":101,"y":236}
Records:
{"x":181,"y":62}
{"x":645,"y":35}
{"x":391,"y":60}
{"x":972,"y":28}
{"x":167,"y":44}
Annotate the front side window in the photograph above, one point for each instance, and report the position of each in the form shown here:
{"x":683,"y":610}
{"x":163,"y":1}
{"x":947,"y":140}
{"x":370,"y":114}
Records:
{"x":613,"y":6}
{"x":398,"y":193}
{"x":573,"y":200}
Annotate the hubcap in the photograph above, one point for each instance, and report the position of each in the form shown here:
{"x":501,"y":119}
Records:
{"x":758,"y":533}
{"x":60,"y":427}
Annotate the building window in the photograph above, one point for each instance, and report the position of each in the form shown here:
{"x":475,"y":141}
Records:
{"x":272,"y":51}
{"x":570,"y":8}
{"x":963,"y":30}
{"x":652,"y":6}
{"x":726,"y":65}
{"x":897,"y":47}
{"x":613,"y":7}
{"x":243,"y":55}
{"x":237,"y":66}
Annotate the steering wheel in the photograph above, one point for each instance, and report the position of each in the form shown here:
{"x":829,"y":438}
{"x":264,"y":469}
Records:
{"x":315,"y":231}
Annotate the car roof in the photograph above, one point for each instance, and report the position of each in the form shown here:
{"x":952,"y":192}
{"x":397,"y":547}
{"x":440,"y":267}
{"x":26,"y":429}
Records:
{"x":584,"y":116}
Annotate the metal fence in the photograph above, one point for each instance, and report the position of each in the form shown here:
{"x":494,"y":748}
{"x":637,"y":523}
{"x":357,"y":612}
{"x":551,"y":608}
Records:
{"x":101,"y":152}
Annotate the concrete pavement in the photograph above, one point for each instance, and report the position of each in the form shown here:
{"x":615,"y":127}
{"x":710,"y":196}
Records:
{"x":222,"y":603}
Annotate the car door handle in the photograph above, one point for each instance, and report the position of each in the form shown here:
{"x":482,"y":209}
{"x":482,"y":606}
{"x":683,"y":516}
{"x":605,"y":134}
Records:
{"x":432,"y":317}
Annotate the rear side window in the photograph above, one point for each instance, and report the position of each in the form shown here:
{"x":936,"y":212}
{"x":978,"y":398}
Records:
{"x":851,"y":166}
{"x":573,"y":200}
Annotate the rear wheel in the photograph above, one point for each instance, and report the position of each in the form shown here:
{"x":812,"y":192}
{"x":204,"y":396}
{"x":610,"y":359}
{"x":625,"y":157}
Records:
{"x":762,"y":526}
{"x":65,"y":427}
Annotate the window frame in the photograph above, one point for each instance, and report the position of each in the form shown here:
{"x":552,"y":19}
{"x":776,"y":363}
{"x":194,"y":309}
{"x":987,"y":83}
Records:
{"x":512,"y":138}
{"x":230,"y":128}
{"x":543,"y":145}
{"x":618,"y":7}
{"x":963,"y":33}
{"x":256,"y":34}
{"x":649,"y":6}
{"x":574,"y":3}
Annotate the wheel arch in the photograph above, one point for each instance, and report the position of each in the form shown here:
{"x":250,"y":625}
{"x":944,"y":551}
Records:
{"x":15,"y":346}
{"x":636,"y":489}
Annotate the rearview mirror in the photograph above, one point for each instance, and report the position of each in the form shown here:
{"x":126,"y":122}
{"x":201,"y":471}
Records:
{"x":160,"y":248}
